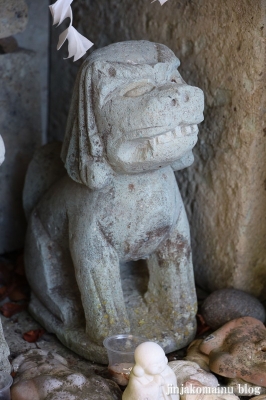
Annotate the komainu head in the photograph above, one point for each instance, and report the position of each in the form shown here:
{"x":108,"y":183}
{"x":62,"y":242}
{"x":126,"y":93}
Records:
{"x":131,"y":112}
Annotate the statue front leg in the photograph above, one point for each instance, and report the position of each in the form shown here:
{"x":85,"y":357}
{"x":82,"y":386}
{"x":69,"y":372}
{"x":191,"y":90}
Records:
{"x":98,"y":276}
{"x":171,"y":286}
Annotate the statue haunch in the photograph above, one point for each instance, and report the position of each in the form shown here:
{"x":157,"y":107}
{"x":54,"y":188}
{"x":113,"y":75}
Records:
{"x":132,"y":123}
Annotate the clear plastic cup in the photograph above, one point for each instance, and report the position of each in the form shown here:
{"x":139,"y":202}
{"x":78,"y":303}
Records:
{"x":6,"y":381}
{"x":120,"y":350}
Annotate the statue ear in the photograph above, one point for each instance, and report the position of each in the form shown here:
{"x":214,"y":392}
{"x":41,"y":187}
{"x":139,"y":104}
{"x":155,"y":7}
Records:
{"x":83,"y":151}
{"x":138,"y":371}
{"x":95,"y":173}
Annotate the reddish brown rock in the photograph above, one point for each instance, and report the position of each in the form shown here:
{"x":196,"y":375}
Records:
{"x":237,"y":350}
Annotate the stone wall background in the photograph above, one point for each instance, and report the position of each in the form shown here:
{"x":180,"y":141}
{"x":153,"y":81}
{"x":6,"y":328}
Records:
{"x":23,"y":91}
{"x":222,"y":50}
{"x":36,"y":38}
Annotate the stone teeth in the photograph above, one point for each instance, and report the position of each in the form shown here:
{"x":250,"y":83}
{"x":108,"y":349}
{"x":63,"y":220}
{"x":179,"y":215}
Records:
{"x":185,"y":130}
{"x":189,"y":129}
{"x":167,"y":137}
{"x":152,"y":143}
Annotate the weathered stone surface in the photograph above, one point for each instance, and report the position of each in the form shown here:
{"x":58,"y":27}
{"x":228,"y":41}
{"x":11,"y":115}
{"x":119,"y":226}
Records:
{"x":186,"y":370}
{"x":13,"y":17}
{"x":20,"y":323}
{"x":4,"y":352}
{"x":44,"y":375}
{"x":195,"y":355}
{"x":227,"y":304}
{"x":236,"y":350}
{"x":221,"y":48}
{"x":17,"y":325}
{"x":45,"y":168}
{"x":20,"y":129}
{"x":132,"y":123}
{"x":260,"y":397}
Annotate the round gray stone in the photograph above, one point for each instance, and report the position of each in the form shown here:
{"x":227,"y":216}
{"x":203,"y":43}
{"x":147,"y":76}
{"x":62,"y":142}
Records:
{"x":227,"y":304}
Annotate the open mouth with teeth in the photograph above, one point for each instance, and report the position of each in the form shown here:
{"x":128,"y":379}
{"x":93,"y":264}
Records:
{"x":146,"y":151}
{"x":156,"y":133}
{"x":171,"y":136}
{"x":189,"y":129}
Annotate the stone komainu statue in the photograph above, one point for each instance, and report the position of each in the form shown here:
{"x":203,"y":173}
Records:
{"x":132,"y":123}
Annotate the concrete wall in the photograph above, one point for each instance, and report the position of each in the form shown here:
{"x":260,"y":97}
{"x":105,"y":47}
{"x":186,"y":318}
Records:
{"x":36,"y":38}
{"x":23,"y":88}
{"x":221,"y":48}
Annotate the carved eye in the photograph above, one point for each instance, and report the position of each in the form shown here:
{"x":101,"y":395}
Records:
{"x":139,"y":90}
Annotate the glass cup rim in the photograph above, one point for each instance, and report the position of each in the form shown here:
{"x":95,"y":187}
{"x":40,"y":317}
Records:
{"x":9,"y":380}
{"x":122,"y":336}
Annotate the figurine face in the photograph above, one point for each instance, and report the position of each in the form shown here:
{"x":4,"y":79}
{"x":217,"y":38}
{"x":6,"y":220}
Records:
{"x":156,"y":367}
{"x":151,"y":358}
{"x":150,"y":115}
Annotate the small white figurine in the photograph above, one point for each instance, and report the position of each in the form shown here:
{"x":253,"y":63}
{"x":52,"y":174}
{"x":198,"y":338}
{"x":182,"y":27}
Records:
{"x":151,"y":377}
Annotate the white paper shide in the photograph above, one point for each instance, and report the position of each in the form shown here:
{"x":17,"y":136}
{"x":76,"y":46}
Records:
{"x":77,"y":44}
{"x":160,"y":1}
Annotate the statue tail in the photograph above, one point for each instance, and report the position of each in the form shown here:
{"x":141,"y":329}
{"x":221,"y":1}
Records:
{"x":45,"y":168}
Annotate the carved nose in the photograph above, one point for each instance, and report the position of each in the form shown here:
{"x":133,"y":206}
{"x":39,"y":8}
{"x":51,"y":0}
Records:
{"x":180,"y":99}
{"x":183,"y":94}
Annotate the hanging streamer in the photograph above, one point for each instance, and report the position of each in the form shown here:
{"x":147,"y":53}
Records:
{"x":77,"y":44}
{"x":161,"y":1}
